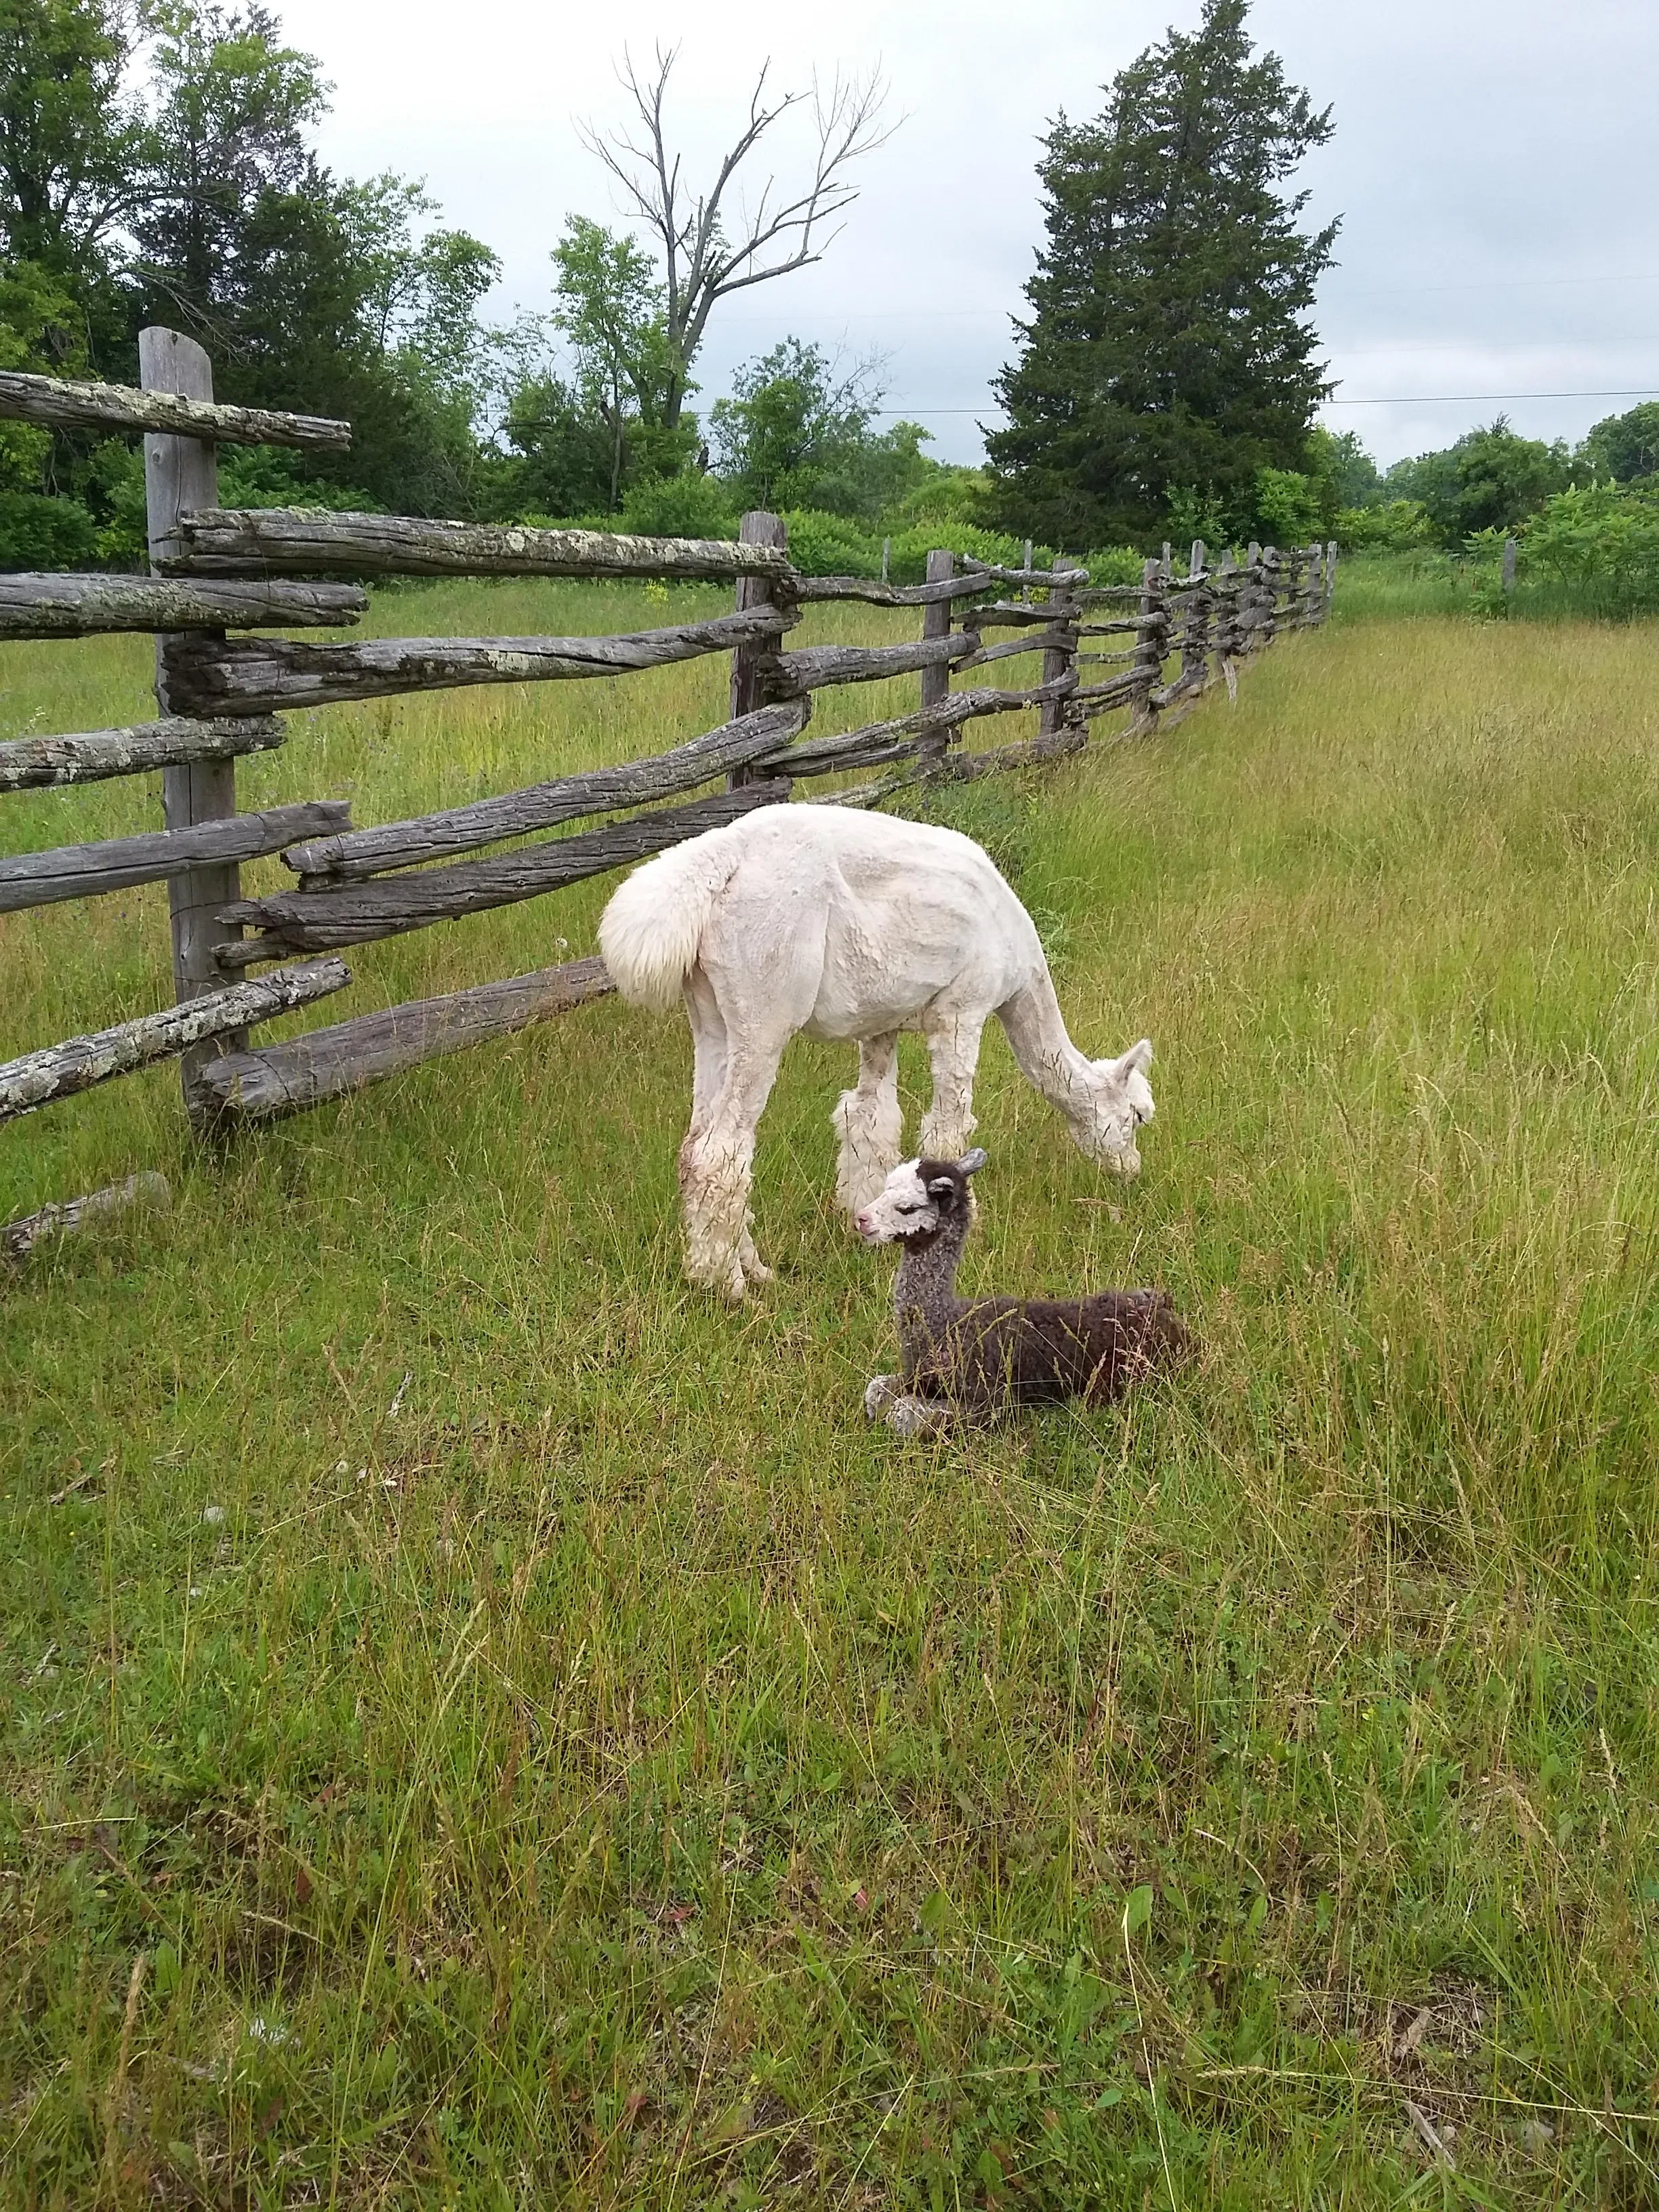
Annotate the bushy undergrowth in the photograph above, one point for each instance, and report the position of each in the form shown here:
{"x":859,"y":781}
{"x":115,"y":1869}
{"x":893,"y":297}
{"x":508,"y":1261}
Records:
{"x":481,"y":1726}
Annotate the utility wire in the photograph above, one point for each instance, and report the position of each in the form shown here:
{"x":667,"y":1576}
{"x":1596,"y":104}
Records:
{"x":1386,"y":400}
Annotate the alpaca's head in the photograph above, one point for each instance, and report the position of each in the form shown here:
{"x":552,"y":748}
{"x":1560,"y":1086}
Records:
{"x":918,"y":1199}
{"x":1109,"y":1107}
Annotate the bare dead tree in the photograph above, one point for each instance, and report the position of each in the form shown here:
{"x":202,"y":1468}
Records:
{"x":788,"y":228}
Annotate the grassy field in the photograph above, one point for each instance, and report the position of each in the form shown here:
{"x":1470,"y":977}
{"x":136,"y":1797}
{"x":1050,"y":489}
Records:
{"x":483,"y":1727}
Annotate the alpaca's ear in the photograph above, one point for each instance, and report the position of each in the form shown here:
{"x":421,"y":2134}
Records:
{"x":972,"y":1163}
{"x":1137,"y":1059}
{"x":943,"y":1186}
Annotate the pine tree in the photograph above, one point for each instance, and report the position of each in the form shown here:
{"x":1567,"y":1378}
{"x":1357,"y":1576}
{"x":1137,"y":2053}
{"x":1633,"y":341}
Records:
{"x":1168,"y":358}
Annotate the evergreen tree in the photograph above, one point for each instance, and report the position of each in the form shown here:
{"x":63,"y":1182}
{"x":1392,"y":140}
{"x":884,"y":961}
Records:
{"x":1167,"y":356}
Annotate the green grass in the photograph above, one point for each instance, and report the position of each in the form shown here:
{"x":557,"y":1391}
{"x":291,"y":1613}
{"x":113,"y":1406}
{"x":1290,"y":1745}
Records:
{"x":1397,"y":587}
{"x":618,"y":1777}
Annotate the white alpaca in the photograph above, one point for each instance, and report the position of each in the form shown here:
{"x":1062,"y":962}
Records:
{"x":851,"y":925}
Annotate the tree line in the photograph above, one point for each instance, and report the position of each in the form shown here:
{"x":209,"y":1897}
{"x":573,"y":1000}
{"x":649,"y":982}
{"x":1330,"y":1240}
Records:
{"x":160,"y":166}
{"x":1491,"y":481}
{"x":158,"y":163}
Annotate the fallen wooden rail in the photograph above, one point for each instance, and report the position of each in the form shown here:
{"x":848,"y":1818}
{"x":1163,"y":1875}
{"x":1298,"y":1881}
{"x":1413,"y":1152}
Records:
{"x":818,"y":666}
{"x":929,"y":728}
{"x":60,"y":605}
{"x":19,"y":1238}
{"x":283,"y":1078}
{"x":80,"y":1062}
{"x":117,"y":863}
{"x":944,"y":588}
{"x":59,"y":405}
{"x":390,"y":845}
{"x":1040,"y":641}
{"x":36,"y":764}
{"x":388,"y":906}
{"x":231,"y":541}
{"x":967,"y":768}
{"x":257,"y":676}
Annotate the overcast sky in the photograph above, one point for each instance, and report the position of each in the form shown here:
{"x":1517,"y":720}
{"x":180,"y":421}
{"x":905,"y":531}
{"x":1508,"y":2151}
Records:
{"x":1495,"y":163}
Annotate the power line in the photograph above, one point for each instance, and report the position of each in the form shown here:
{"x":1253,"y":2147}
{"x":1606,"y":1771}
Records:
{"x":1475,"y":398}
{"x":1388,"y":399}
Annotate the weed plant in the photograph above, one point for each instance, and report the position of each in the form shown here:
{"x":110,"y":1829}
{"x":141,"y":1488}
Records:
{"x":484,"y":1726}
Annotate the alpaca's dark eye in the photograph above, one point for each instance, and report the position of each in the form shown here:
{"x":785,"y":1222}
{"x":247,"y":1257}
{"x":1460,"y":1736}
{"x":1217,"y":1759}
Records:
{"x":910,"y":1209}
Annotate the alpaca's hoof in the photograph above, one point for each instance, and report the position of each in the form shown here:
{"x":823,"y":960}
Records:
{"x":885,"y":1399}
{"x":879,"y":1393}
{"x":754,"y":1269}
{"x":726,"y":1282}
{"x":917,"y":1417}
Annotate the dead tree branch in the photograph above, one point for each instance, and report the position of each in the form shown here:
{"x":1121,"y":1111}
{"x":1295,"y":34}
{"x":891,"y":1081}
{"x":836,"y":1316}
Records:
{"x":710,"y":248}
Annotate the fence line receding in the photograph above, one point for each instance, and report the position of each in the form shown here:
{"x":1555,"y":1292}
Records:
{"x":1145,"y":649}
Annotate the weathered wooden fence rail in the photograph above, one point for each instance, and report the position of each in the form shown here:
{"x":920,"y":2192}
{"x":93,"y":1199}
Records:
{"x":217,"y":570}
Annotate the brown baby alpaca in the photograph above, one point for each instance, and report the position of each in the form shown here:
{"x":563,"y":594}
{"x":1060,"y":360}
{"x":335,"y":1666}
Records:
{"x":985,"y":1354}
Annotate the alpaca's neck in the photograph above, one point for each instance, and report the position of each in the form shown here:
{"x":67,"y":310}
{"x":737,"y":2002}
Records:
{"x":925,"y":1294}
{"x":1050,"y":1062}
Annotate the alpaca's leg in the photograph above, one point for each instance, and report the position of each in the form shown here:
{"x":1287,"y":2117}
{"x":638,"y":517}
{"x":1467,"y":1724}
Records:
{"x":871,"y":1124}
{"x":710,"y":1047}
{"x":954,"y":1051}
{"x":715,"y":1165}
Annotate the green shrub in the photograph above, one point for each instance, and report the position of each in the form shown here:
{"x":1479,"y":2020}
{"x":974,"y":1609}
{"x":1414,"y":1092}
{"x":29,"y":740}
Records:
{"x":1290,"y":507}
{"x":1115,"y":564}
{"x":911,"y":547}
{"x":829,"y":545}
{"x":39,"y":532}
{"x":1397,"y":526}
{"x":1603,"y":536}
{"x":687,"y":506}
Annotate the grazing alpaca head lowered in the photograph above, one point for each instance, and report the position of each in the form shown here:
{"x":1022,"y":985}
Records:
{"x":1109,"y":1101}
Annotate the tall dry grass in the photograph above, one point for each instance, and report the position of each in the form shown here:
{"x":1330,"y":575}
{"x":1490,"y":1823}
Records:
{"x":616,"y":1777}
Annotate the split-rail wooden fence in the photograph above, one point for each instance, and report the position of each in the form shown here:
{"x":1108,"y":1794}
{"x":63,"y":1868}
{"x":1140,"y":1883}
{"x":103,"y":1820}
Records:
{"x":218,"y":576}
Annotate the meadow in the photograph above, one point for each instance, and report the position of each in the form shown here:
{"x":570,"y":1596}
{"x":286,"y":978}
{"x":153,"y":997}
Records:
{"x":484,"y":1727}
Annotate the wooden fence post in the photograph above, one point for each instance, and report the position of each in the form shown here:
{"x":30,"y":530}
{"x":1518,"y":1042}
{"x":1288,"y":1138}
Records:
{"x":1315,"y":593}
{"x":1025,"y":589}
{"x":1289,"y":581}
{"x":1199,"y":602}
{"x":1058,"y":660}
{"x":1510,"y":549}
{"x":180,"y":473}
{"x":1149,"y":640}
{"x":751,"y":685}
{"x":1201,"y":608}
{"x":1330,"y":577}
{"x":886,"y":558}
{"x":936,"y":622}
{"x":1226,"y":619}
{"x":1263,"y":597}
